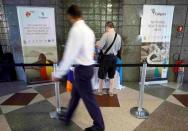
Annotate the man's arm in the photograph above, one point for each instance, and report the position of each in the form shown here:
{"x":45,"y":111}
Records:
{"x":101,"y":43}
{"x":119,"y":48}
{"x":72,"y":49}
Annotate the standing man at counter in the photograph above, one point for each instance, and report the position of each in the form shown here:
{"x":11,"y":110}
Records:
{"x":80,"y":50}
{"x":110,"y":44}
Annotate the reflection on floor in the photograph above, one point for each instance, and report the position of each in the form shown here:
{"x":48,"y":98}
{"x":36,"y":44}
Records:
{"x":28,"y":110}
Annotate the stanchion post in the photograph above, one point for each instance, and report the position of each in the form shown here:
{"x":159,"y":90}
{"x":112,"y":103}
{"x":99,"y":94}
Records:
{"x":59,"y":110}
{"x":180,"y":77}
{"x":57,"y":93}
{"x":139,"y":112}
{"x":142,"y":85}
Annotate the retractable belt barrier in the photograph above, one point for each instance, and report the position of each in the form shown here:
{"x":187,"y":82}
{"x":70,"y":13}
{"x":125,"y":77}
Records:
{"x":138,"y":112}
{"x":97,"y":65}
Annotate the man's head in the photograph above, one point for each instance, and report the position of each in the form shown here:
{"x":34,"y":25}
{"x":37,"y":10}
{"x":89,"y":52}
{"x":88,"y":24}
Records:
{"x":74,"y":13}
{"x":109,"y":26}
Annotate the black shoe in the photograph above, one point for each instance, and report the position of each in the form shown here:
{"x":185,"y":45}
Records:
{"x":93,"y":128}
{"x":64,"y":120}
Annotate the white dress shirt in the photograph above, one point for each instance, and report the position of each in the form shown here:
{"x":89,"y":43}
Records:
{"x":79,"y":48}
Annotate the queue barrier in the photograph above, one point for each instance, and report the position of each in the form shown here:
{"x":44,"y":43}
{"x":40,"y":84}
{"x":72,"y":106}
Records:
{"x":59,"y":110}
{"x":138,"y":112}
{"x":97,"y":65}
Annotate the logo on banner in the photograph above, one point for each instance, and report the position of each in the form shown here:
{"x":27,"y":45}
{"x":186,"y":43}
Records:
{"x":28,"y":14}
{"x":42,"y":13}
{"x":158,"y":13}
{"x":43,"y":16}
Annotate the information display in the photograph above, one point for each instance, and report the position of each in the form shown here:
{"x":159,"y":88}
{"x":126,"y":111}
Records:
{"x":38,"y":39}
{"x":156,"y":28}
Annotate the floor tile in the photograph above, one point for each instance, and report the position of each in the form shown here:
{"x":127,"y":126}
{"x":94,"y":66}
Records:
{"x":173,"y":85}
{"x":121,"y":119}
{"x":159,"y":91}
{"x":64,"y":99}
{"x":30,"y":90}
{"x":20,"y":99}
{"x":183,"y":98}
{"x":11,"y":87}
{"x":167,"y":117}
{"x":0,"y":111}
{"x":78,"y":118}
{"x":119,"y":116}
{"x":133,"y":85}
{"x":37,"y":98}
{"x":35,"y":117}
{"x":172,"y":99}
{"x":184,"y":87}
{"x":7,"y":109}
{"x":3,"y":124}
{"x":48,"y":90}
{"x":4,"y":98}
{"x":129,"y":98}
{"x":178,"y":91}
{"x":107,"y":101}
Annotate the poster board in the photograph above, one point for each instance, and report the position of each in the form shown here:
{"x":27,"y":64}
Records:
{"x":156,"y":28}
{"x":38,"y":40}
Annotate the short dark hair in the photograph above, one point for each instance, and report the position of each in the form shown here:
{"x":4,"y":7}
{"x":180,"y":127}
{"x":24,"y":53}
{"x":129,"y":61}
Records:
{"x":74,"y":11}
{"x":109,"y":24}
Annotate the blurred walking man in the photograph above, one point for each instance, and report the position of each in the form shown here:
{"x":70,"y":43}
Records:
{"x":79,"y":50}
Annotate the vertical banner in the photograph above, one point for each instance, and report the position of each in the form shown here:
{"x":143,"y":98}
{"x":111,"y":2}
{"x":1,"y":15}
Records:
{"x":38,"y":39}
{"x":156,"y":27}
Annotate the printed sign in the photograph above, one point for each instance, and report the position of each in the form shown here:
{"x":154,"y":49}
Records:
{"x":156,"y":27}
{"x":38,"y":38}
{"x":156,"y":24}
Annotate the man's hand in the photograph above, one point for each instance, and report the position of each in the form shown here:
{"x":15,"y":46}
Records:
{"x":97,"y":45}
{"x":55,"y":79}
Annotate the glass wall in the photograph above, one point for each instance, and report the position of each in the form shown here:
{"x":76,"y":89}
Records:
{"x":96,"y":13}
{"x":4,"y":39}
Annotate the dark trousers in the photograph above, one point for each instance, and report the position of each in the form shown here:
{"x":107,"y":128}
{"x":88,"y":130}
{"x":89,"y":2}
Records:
{"x":83,"y":89}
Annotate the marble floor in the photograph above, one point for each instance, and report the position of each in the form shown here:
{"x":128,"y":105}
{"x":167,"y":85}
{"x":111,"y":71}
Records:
{"x":11,"y":87}
{"x":28,"y":110}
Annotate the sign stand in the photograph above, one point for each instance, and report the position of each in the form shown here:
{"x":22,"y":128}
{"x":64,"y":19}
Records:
{"x":139,"y":112}
{"x":60,"y":111}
